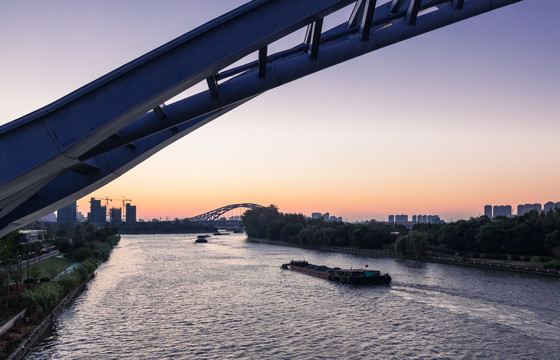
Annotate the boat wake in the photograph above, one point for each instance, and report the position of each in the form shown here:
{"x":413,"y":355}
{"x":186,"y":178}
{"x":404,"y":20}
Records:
{"x":523,"y":320}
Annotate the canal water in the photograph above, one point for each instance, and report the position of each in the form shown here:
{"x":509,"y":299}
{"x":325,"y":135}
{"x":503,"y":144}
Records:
{"x":165,"y":297}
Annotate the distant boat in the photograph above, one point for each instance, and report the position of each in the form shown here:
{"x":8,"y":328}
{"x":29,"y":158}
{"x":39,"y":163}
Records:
{"x":221,"y":233}
{"x":201,"y":239}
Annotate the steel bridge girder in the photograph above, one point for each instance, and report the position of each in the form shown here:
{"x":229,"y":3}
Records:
{"x":38,"y":193}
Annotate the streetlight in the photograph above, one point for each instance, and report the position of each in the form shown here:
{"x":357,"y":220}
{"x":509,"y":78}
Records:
{"x":28,"y":270}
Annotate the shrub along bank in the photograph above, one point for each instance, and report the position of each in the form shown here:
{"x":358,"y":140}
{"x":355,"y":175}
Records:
{"x":90,"y":248}
{"x":44,"y":298}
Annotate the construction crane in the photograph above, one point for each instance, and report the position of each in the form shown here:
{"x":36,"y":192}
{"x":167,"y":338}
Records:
{"x":124,"y":208}
{"x":106,"y":198}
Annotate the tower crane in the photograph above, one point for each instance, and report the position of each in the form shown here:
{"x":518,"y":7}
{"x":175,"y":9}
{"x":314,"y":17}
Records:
{"x":107,"y":199}
{"x":124,"y":208}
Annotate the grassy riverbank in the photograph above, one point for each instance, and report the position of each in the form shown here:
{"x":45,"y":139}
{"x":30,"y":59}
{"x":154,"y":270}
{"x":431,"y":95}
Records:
{"x":51,"y":267}
{"x":61,"y":278}
{"x":40,"y":301}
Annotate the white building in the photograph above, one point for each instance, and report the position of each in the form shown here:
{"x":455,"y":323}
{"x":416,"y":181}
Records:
{"x":523,"y":209}
{"x":550,"y":206}
{"x":316,"y":215}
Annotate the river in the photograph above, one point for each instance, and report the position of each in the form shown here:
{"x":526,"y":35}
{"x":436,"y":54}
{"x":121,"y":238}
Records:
{"x":165,"y":297}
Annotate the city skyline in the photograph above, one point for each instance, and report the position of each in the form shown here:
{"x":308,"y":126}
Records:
{"x":128,"y":212}
{"x":441,"y":123}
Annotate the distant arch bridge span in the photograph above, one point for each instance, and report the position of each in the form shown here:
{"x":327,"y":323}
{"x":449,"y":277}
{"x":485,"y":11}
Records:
{"x":215,"y":215}
{"x":79,"y":143}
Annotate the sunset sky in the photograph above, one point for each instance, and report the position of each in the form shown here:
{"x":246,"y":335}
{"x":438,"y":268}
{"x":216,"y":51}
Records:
{"x":443,"y":123}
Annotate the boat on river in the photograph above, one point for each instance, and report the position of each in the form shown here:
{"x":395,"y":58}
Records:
{"x":201,"y":239}
{"x":344,"y":276}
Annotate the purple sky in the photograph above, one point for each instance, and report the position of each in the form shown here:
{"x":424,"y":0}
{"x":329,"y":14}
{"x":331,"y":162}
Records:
{"x":443,"y":123}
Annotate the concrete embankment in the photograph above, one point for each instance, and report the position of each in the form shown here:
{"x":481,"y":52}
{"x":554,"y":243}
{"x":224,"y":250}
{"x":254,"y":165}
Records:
{"x":525,"y":267}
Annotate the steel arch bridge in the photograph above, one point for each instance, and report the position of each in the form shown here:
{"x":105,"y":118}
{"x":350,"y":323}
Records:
{"x":48,"y":158}
{"x":214,"y":215}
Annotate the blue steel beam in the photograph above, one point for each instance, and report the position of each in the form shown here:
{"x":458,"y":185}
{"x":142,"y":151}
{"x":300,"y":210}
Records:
{"x":342,"y":43}
{"x":62,"y":131}
{"x":105,"y":158}
{"x":82,"y":180}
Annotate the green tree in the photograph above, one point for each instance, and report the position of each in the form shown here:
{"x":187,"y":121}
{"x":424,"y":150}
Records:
{"x":274,"y":228}
{"x":82,"y":253}
{"x":34,"y":272}
{"x":290,"y":231}
{"x":304,"y":236}
{"x":328,"y":236}
{"x":357,"y":235}
{"x":257,"y":221}
{"x":377,"y":235}
{"x":552,"y":243}
{"x":416,"y":243}
{"x":400,"y":245}
{"x":412,"y":244}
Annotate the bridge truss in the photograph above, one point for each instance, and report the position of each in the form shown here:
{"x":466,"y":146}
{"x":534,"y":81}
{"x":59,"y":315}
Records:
{"x":215,"y":215}
{"x":86,"y":139}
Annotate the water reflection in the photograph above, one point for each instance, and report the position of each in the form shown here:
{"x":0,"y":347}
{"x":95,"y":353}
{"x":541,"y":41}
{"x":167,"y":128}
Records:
{"x":162,"y":296}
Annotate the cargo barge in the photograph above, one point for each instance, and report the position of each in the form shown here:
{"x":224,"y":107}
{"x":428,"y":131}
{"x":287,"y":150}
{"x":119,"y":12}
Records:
{"x":345,"y":276}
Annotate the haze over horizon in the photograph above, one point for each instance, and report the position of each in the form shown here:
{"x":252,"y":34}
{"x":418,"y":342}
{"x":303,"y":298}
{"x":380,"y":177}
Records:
{"x":443,"y":123}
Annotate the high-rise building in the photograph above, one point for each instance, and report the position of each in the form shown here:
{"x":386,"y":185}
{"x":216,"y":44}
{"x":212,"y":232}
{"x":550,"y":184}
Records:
{"x":316,"y":215}
{"x":80,"y":218}
{"x":67,"y":215}
{"x":130,"y":213}
{"x":401,"y":219}
{"x":326,"y":217}
{"x":97,"y":213}
{"x":49,"y":218}
{"x":416,"y":219}
{"x":488,"y":211}
{"x":550,"y":206}
{"x":116,"y":215}
{"x":501,"y":210}
{"x":523,"y":209}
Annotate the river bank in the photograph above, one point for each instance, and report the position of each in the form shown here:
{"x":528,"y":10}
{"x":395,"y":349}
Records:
{"x":40,"y":313}
{"x":502,"y":265}
{"x":36,"y":332}
{"x":46,"y":299}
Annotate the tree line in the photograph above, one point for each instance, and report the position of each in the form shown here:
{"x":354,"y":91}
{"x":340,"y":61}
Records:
{"x":269,"y":223}
{"x":522,"y":237}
